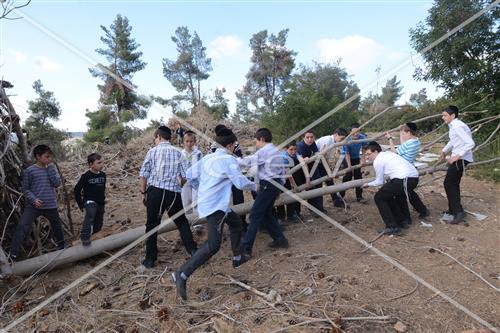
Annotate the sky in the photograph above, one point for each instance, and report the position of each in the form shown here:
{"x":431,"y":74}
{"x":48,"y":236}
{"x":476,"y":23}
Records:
{"x":55,"y":42}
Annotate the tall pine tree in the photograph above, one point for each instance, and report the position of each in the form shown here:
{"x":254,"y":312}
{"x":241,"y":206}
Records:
{"x":118,"y":103}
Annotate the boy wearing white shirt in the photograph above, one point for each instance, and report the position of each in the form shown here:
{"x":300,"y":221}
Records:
{"x":461,"y":145}
{"x":214,"y":176}
{"x":190,"y":156}
{"x":391,"y":198}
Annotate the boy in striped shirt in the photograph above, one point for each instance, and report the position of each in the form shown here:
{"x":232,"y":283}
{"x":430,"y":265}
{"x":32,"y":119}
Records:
{"x":39,"y":188}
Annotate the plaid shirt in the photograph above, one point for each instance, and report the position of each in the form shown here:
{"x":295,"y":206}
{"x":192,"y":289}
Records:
{"x":163,"y":166}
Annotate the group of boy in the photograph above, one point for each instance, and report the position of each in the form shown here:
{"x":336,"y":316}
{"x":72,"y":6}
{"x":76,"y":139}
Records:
{"x":175,"y":181}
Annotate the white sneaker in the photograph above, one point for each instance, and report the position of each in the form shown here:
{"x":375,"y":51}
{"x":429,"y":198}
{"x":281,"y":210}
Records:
{"x":447,"y":217}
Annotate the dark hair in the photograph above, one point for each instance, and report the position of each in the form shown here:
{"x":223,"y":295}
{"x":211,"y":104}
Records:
{"x":264,"y":134}
{"x":291,"y":144}
{"x":340,"y":131}
{"x":93,"y":157}
{"x":225,"y":137}
{"x":354,"y":125}
{"x":163,"y":132}
{"x":219,"y":127}
{"x":190,"y":134}
{"x":373,"y":146}
{"x":452,"y":109}
{"x":309,"y":131}
{"x":410,"y":127}
{"x":41,"y":149}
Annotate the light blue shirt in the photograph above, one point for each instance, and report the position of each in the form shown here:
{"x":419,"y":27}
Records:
{"x":409,"y":149}
{"x":269,"y":161}
{"x":213,"y":176}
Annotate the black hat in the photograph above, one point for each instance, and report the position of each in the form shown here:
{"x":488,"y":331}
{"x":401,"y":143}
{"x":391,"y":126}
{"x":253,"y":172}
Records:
{"x":412,"y":126}
{"x":218,"y":128}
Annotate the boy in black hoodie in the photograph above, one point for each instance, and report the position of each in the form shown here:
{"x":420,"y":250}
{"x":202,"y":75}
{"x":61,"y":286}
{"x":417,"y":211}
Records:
{"x":93,"y":185}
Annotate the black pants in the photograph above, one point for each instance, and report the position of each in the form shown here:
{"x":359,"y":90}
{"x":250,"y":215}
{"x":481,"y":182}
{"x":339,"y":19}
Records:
{"x":452,"y":185}
{"x":292,"y":209}
{"x":391,"y":201}
{"x":416,"y":202}
{"x":322,"y":173}
{"x":30,"y":214}
{"x":356,"y":173}
{"x":158,"y":200}
{"x":261,"y":215}
{"x":212,"y":245}
{"x":239,"y":198}
{"x":92,"y":223}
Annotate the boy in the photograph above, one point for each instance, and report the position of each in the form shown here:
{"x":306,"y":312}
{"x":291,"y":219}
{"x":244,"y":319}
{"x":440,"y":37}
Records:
{"x":352,"y":157}
{"x":93,"y":185}
{"x":160,"y":171}
{"x":461,"y":145}
{"x":391,"y":197}
{"x":323,"y":144}
{"x":190,"y":156}
{"x":179,"y":131}
{"x":408,"y":149}
{"x":270,"y":169}
{"x":213,"y":177}
{"x":290,"y":160}
{"x":39,"y":183}
{"x":306,"y":148}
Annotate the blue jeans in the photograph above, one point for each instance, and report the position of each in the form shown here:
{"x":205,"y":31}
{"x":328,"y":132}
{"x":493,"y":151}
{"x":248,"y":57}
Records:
{"x":262,"y":215}
{"x":93,"y":220}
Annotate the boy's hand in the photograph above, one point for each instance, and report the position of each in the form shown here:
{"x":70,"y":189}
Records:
{"x":38,"y":203}
{"x":442,"y":156}
{"x":453,"y":159}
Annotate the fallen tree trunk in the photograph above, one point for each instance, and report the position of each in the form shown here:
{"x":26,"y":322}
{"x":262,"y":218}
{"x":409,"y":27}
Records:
{"x":54,"y":259}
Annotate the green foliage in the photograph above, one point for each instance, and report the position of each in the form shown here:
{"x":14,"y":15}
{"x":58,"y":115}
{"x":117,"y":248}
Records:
{"x":191,"y":66}
{"x":119,"y":104}
{"x":466,"y":63}
{"x":375,"y":103}
{"x":41,"y":111}
{"x":244,"y":114}
{"x":272,"y":65}
{"x":219,"y":108}
{"x":311,"y":93}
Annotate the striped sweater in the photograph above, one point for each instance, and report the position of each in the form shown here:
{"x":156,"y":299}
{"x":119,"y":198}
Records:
{"x":409,"y":149}
{"x":40,"y":183}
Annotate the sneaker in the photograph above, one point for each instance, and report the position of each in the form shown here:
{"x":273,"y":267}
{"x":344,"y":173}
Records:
{"x":180,"y":285}
{"x":424,"y":215}
{"x":86,"y":242}
{"x":457,"y":218}
{"x":447,"y":216}
{"x":244,"y":258}
{"x":391,"y":231}
{"x":149,"y":263}
{"x":279,"y":244}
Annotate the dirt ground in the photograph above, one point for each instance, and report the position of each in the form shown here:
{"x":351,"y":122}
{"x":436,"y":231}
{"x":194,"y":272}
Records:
{"x":324,"y":279}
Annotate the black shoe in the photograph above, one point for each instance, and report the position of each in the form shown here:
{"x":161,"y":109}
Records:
{"x":244,"y":258}
{"x":86,"y":242}
{"x":180,"y":285}
{"x":361,"y":200}
{"x":457,"y":218}
{"x":405,"y":224}
{"x":392,"y":231}
{"x":279,"y":244}
{"x":424,"y":215}
{"x":149,"y":263}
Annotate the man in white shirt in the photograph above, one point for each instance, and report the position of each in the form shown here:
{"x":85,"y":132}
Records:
{"x":391,"y":199}
{"x":213,"y":176}
{"x":461,"y":145}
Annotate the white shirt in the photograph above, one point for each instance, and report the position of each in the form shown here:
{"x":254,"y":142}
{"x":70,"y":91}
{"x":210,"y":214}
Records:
{"x":213,"y":176}
{"x":324,"y":142}
{"x":461,"y":142}
{"x":269,"y":161}
{"x":392,"y":165}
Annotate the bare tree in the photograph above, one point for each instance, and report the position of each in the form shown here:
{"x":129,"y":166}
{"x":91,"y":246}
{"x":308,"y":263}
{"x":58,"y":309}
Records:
{"x":11,"y":5}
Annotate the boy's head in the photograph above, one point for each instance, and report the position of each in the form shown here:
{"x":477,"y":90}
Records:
{"x":355,"y":130}
{"x":43,"y":154}
{"x":408,"y":130}
{"x":226,"y":138}
{"x":339,"y":134}
{"x":309,"y":137}
{"x":95,"y":161}
{"x":262,"y":136}
{"x":218,"y":128}
{"x":372,"y":149}
{"x":162,"y":133}
{"x":189,"y":140}
{"x":291,"y":148}
{"x":450,"y":113}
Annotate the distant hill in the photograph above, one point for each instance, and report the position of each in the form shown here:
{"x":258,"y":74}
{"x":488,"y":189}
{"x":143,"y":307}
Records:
{"x":77,"y":134}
